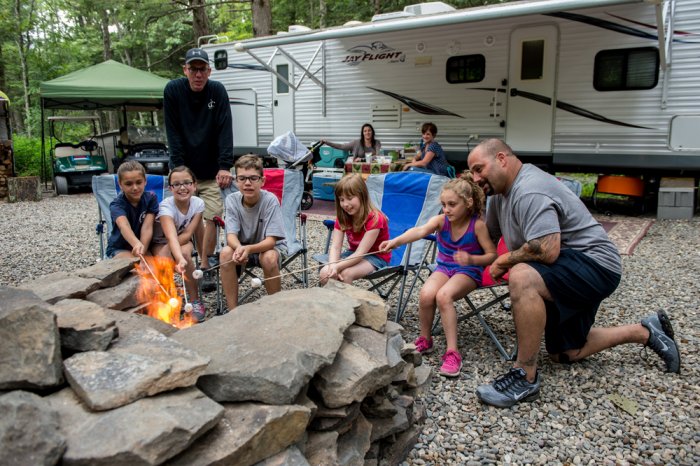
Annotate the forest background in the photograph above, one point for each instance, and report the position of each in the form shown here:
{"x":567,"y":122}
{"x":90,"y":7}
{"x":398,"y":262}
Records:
{"x":43,"y":39}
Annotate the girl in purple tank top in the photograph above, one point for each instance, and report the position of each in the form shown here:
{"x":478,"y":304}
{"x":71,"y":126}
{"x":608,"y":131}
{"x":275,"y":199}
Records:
{"x":464,"y":249}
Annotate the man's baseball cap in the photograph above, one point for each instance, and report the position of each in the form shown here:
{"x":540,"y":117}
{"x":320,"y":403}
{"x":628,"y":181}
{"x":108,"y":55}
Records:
{"x":196,"y":54}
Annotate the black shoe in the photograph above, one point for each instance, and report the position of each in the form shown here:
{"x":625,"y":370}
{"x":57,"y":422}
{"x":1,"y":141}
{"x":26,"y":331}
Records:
{"x":208,"y":280}
{"x":509,"y":389}
{"x":661,"y":340}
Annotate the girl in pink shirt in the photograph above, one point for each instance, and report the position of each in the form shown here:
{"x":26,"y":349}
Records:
{"x":365,"y":227}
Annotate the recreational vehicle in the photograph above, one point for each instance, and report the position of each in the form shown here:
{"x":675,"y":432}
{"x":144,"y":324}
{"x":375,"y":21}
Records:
{"x":607,"y":86}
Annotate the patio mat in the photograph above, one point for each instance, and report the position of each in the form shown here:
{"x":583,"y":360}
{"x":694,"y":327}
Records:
{"x":625,"y":232}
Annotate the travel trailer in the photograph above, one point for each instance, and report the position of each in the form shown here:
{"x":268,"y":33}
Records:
{"x":606,"y":86}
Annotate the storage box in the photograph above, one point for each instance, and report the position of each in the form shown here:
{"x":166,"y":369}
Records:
{"x":676,"y":198}
{"x":329,"y":156}
{"x":324,"y":184}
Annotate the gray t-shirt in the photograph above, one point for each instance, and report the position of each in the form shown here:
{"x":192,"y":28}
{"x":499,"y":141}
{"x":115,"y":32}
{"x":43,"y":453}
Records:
{"x":537,"y":205}
{"x":168,"y":208}
{"x":254,"y":224}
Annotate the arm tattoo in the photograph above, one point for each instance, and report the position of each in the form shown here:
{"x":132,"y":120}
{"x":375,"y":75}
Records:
{"x":544,"y":249}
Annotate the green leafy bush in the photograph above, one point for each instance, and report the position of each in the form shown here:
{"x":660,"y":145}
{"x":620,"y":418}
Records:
{"x":27,"y":155}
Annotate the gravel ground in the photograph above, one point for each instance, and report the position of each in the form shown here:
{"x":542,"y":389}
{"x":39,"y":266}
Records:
{"x":573,"y":422}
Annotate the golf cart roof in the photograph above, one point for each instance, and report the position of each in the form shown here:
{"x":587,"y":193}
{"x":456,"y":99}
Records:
{"x":74,"y":118}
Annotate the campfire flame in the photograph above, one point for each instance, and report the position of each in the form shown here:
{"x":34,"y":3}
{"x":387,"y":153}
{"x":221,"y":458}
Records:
{"x":154,"y":294}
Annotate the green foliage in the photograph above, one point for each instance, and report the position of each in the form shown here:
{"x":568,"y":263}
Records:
{"x":27,"y":152}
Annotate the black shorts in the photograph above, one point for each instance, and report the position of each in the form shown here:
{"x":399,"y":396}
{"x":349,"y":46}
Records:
{"x":577,"y":285}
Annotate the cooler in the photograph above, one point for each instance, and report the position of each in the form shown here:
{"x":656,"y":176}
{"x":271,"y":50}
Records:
{"x":330,"y":156}
{"x":324,"y":184}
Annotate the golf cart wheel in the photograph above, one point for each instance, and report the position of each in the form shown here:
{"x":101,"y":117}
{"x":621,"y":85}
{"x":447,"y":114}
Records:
{"x":307,"y":200}
{"x":61,"y":184}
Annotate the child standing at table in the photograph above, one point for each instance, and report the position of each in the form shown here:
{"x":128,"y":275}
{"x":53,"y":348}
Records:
{"x":464,"y":249}
{"x":133,"y":212}
{"x":365,"y":227}
{"x":178,"y":218}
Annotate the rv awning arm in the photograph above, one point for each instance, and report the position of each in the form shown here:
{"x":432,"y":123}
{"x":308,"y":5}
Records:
{"x":665,"y":17}
{"x":271,"y":69}
{"x":499,"y":11}
{"x":291,"y":58}
{"x":306,"y":70}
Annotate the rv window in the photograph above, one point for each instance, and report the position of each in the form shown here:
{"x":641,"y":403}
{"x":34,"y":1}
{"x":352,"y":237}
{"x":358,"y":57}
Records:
{"x":626,"y":69}
{"x":465,"y":69}
{"x":282,"y":87}
{"x":532,"y":64}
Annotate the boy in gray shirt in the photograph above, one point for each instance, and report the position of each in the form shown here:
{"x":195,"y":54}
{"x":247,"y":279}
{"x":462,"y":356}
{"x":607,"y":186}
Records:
{"x":254,"y":229}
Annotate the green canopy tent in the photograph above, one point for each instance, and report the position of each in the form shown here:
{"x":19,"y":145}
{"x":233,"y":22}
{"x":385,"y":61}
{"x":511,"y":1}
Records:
{"x":107,"y":85}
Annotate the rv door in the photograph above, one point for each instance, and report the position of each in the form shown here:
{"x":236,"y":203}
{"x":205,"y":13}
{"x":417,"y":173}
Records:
{"x":282,"y":96}
{"x":531,"y":79}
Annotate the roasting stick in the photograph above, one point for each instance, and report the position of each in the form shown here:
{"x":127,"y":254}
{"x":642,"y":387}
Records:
{"x":172,"y":301}
{"x":257,"y":282}
{"x":188,"y":306}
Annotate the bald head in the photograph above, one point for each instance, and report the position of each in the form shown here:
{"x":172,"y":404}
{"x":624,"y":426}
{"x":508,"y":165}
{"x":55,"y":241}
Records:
{"x":493,"y":165}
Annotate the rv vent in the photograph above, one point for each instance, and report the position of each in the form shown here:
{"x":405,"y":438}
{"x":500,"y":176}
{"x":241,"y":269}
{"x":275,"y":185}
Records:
{"x":391,"y":15}
{"x":386,"y":116}
{"x":298,"y":28}
{"x":428,"y":8}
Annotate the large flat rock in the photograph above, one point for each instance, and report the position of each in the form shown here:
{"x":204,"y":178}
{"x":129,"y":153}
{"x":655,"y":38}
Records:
{"x":108,"y":272}
{"x":61,"y":285}
{"x":139,"y":364}
{"x":248,"y":433}
{"x":30,"y":348}
{"x":372,"y":311}
{"x":120,"y":297}
{"x":146,"y":432}
{"x":84,"y":326}
{"x":268,"y":350}
{"x":29,"y":431}
{"x":366,"y":361}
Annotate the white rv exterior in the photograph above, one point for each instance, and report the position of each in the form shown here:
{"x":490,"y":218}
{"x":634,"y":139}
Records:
{"x":393,"y":74}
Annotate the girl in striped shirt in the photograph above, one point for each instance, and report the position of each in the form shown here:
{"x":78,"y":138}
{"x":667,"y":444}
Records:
{"x":464,"y":249}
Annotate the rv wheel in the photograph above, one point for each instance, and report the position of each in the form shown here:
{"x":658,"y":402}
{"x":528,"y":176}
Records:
{"x":307,"y":200}
{"x":61,"y":184}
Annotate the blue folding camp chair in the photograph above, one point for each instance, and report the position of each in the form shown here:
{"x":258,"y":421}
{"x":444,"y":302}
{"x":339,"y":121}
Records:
{"x":288,"y":186}
{"x":408,"y":200}
{"x":106,"y":188}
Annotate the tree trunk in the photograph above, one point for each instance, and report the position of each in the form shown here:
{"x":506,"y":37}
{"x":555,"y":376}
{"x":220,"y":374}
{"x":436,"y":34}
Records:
{"x":377,"y":6}
{"x":3,"y":79}
{"x":262,"y":17}
{"x":22,"y":47}
{"x":322,"y":12}
{"x":106,"y":42}
{"x":200,"y":20}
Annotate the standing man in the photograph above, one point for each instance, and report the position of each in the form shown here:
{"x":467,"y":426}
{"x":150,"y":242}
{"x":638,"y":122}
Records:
{"x":562,"y":265}
{"x":200,"y":136}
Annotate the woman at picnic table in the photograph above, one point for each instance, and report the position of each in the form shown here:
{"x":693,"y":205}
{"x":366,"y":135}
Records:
{"x":366,"y":144}
{"x":430,"y":157}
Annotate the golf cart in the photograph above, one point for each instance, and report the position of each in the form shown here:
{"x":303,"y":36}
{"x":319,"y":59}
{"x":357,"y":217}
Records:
{"x":146,"y":145}
{"x":74,"y":164}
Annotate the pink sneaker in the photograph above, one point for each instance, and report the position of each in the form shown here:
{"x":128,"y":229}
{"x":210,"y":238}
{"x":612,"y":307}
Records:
{"x":423,"y":345}
{"x":451,"y":364}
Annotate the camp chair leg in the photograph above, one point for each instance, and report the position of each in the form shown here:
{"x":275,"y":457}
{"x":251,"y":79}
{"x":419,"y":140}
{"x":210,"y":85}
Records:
{"x":476,"y":312}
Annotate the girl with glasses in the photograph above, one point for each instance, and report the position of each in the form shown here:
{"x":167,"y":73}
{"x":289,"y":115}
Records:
{"x":178,"y":218}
